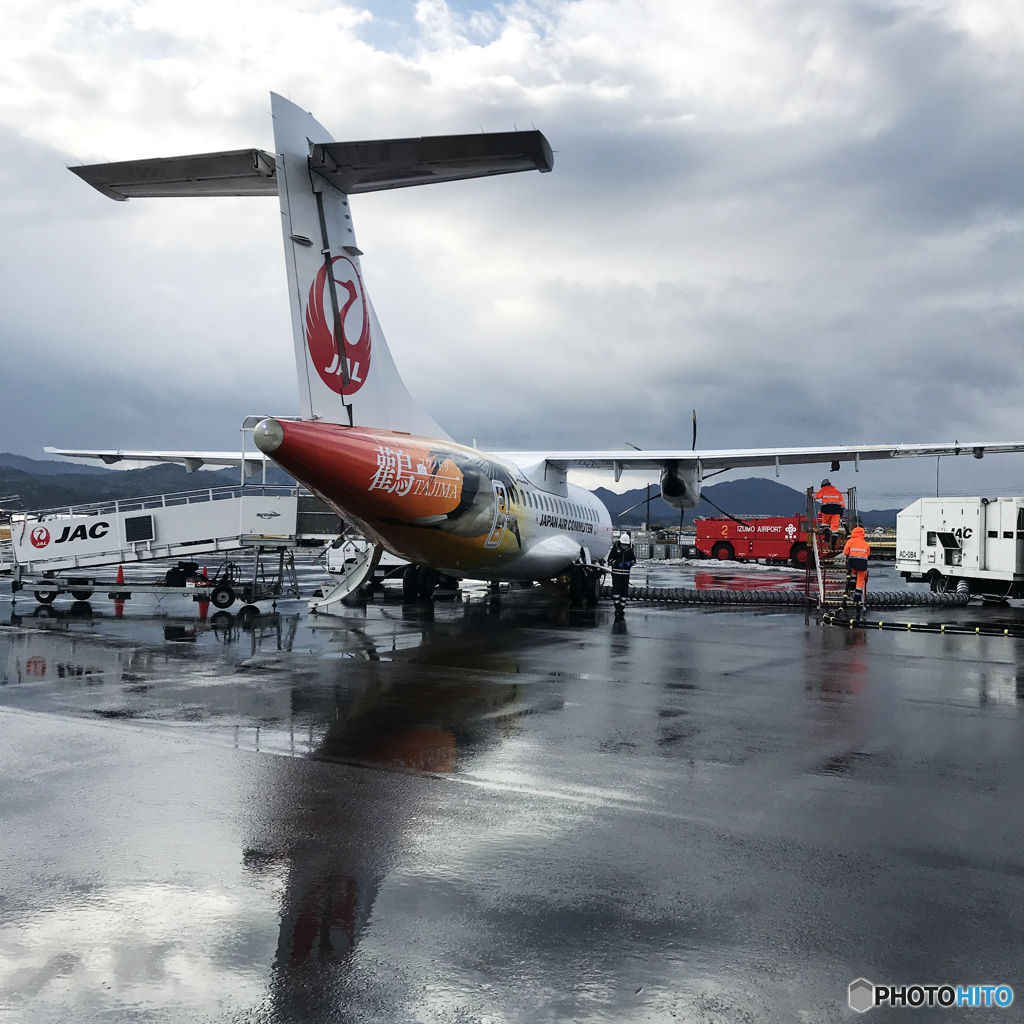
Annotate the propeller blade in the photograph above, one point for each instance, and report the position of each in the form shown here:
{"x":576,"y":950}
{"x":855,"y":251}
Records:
{"x":693,"y":447}
{"x":642,"y":501}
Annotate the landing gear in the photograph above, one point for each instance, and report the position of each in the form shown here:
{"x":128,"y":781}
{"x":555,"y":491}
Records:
{"x":428,"y":581}
{"x":584,"y":585}
{"x":411,"y":582}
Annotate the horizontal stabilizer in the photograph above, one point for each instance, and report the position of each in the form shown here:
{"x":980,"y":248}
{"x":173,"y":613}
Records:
{"x":355,"y":167}
{"x":241,"y":172}
{"x":349,"y":166}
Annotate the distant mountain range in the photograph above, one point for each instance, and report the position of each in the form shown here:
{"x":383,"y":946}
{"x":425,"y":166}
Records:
{"x":42,"y":483}
{"x":752,"y":496}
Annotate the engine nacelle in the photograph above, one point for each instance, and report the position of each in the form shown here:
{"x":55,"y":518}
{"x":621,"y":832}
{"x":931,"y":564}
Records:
{"x":680,"y":487}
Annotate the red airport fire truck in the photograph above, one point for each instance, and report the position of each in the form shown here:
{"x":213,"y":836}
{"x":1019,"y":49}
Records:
{"x":774,"y":538}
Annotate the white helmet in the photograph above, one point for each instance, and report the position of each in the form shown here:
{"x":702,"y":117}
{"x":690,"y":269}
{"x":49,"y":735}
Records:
{"x":624,"y":539}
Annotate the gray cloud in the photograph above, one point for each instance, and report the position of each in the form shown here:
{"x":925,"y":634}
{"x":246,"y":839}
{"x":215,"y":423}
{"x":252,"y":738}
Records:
{"x":805,"y":220}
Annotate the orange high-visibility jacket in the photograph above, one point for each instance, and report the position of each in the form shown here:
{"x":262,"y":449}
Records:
{"x":857,"y":546}
{"x":830,"y":496}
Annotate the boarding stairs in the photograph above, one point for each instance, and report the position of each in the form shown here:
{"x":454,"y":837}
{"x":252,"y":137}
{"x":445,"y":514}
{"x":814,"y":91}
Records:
{"x":826,"y":573}
{"x":358,"y":560}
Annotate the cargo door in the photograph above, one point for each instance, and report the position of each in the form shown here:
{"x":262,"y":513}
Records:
{"x":1001,"y":537}
{"x":908,"y":539}
{"x":968,"y":533}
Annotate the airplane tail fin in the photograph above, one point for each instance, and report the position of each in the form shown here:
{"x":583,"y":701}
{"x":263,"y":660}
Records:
{"x":345,"y":370}
{"x":346,"y":373}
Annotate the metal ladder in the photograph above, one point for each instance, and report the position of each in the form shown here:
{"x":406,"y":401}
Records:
{"x":826,"y":571}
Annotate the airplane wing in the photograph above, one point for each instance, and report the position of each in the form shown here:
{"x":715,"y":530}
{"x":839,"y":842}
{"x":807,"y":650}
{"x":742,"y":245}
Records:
{"x":190,"y":460}
{"x":747,"y":458}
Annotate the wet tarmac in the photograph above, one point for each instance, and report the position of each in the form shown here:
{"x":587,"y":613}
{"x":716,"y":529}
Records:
{"x":488,"y":810}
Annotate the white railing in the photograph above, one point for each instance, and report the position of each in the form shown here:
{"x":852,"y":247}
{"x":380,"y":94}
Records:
{"x":102,"y":508}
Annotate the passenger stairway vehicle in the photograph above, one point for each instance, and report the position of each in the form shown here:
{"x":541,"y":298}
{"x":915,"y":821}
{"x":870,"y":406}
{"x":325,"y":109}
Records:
{"x":184,"y":525}
{"x":827,"y":574}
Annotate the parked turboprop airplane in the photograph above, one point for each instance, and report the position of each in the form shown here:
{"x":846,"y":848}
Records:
{"x":361,"y":442}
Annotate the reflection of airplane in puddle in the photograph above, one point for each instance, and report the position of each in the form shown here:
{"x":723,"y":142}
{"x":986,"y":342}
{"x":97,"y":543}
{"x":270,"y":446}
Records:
{"x":337,"y":838}
{"x":362,"y":443}
{"x":334,"y":819}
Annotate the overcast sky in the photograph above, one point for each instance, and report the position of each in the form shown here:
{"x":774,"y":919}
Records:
{"x":804,"y":219}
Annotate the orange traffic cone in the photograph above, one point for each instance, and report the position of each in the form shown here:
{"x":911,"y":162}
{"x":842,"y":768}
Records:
{"x":120,"y":574}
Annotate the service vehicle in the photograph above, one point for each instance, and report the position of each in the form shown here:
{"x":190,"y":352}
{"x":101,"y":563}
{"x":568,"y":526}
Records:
{"x":773,"y":538}
{"x":957,"y":542}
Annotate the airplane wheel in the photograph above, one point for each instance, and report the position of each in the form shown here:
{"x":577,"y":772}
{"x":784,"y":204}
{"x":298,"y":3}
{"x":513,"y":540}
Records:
{"x":44,"y":596}
{"x":428,"y":581}
{"x":222,"y":596}
{"x":592,"y":588}
{"x":723,"y":551}
{"x":576,"y":584}
{"x":411,"y":582}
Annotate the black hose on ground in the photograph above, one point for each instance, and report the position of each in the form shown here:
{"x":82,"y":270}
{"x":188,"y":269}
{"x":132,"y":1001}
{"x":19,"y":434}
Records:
{"x":787,"y":598}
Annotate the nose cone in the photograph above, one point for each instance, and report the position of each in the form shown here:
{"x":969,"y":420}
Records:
{"x":268,"y":436}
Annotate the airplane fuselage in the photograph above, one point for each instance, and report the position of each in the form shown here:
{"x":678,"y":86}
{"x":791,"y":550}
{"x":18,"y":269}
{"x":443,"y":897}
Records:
{"x":440,"y":504}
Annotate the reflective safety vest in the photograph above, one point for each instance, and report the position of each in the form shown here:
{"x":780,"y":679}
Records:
{"x":832,"y":501}
{"x":857,"y":551}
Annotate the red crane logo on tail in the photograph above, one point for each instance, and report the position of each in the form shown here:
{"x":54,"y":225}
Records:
{"x":354,"y":314}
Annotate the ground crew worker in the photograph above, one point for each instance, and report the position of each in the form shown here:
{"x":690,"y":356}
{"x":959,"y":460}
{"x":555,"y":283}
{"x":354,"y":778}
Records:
{"x":833,"y":506}
{"x":621,"y":558}
{"x":857,"y":552}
